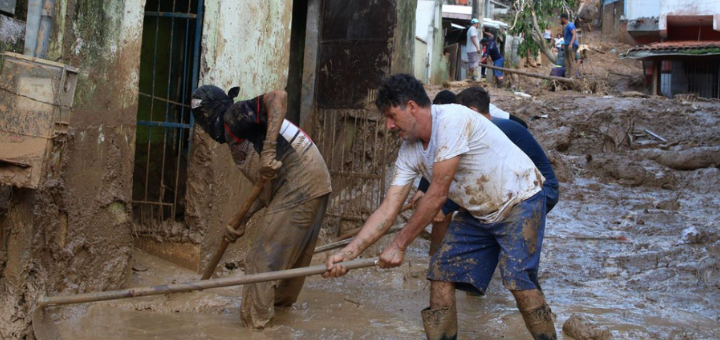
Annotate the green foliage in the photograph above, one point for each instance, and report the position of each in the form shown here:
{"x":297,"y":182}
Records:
{"x":546,"y":12}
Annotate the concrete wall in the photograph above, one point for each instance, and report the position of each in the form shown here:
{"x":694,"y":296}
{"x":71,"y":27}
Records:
{"x":246,"y":44}
{"x":404,"y":37}
{"x":73,"y":234}
{"x":428,"y":27}
{"x":636,"y":9}
{"x":421,"y":60}
{"x":688,"y":8}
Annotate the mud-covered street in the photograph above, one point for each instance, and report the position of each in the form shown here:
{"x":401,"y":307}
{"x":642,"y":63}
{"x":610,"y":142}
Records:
{"x":147,"y":146}
{"x":632,"y":246}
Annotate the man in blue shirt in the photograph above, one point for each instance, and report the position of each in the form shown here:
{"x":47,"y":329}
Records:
{"x":570,"y":44}
{"x":493,"y":51}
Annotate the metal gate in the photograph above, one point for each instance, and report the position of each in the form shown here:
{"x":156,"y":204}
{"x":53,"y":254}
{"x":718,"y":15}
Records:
{"x":354,"y":58}
{"x":168,"y":77}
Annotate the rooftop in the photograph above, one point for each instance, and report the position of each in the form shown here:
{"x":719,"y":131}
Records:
{"x":687,"y":48}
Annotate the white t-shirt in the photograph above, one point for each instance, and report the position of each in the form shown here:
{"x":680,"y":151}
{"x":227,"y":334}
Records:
{"x":559,"y":42}
{"x":493,"y":174}
{"x":472,"y":32}
{"x":498,"y":112}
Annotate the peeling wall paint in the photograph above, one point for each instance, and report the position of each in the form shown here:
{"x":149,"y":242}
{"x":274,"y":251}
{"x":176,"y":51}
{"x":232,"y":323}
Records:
{"x":245,"y":44}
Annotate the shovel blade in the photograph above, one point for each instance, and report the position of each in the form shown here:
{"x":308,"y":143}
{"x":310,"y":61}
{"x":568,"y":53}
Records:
{"x":43,"y":325}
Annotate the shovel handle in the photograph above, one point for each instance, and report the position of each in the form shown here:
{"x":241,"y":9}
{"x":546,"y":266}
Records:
{"x":199,"y":285}
{"x":235,"y":223}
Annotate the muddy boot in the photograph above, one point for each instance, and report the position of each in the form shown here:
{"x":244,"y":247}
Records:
{"x":540,"y":323}
{"x":440,"y":324}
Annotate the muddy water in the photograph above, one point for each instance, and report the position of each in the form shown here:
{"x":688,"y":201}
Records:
{"x":643,"y":288}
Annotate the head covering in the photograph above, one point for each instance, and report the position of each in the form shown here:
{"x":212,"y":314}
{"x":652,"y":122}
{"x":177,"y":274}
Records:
{"x":474,"y":21}
{"x":209,"y":103}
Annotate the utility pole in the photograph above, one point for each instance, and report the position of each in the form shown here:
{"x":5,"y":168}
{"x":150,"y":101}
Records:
{"x":487,"y":9}
{"x":476,"y":9}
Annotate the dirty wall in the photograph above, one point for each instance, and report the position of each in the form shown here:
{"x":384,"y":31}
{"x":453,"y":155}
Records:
{"x":245,"y":44}
{"x":73,"y":234}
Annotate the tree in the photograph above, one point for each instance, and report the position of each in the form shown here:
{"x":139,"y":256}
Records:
{"x":531,"y":16}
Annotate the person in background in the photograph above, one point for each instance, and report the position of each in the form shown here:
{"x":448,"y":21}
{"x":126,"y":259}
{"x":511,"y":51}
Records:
{"x":570,"y":44}
{"x":547,"y":35}
{"x":559,"y":41}
{"x":473,"y":48}
{"x":494,"y":52}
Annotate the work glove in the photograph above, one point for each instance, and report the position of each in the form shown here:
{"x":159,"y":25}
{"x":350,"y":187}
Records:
{"x":268,"y":164}
{"x":232,"y":235}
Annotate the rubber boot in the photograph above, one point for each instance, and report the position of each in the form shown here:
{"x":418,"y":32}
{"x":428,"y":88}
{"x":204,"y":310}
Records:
{"x":440,"y":324}
{"x":540,"y":323}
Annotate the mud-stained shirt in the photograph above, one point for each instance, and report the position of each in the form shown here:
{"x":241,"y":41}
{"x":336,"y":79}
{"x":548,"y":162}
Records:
{"x":303,"y":175}
{"x":493,"y":174}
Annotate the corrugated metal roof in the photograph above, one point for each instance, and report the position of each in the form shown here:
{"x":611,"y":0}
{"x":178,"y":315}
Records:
{"x":687,"y":48}
{"x":676,"y":45}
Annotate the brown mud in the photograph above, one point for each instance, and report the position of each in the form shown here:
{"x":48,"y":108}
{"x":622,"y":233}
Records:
{"x":632,"y":245}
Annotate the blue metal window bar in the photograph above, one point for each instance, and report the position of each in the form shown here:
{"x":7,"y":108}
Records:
{"x":159,"y":175}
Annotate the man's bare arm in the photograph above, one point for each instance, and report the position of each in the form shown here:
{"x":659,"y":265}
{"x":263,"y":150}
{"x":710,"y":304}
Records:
{"x":374,"y":228}
{"x":443,"y":174}
{"x":380,"y":221}
{"x":275,"y":104}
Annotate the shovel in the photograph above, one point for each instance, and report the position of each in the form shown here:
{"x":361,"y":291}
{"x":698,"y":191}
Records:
{"x":235,"y":224}
{"x":45,"y":328}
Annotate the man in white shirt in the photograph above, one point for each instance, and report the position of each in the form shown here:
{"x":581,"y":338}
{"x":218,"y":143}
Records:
{"x":502,"y":220}
{"x":473,"y":48}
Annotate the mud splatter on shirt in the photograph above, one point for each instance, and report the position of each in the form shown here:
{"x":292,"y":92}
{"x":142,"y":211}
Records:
{"x":493,"y":174}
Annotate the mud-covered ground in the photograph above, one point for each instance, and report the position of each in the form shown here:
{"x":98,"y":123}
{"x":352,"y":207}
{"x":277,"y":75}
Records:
{"x":632,"y":246}
{"x":629,"y":246}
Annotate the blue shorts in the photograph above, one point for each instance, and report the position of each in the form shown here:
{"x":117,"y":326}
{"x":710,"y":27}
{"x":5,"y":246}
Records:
{"x":470,"y":251}
{"x":498,"y":63}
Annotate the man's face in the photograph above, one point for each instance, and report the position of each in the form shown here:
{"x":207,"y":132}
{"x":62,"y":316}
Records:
{"x":484,"y":44}
{"x":563,"y":21}
{"x":402,"y":121}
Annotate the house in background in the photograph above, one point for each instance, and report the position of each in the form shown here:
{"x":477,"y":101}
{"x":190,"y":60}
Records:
{"x":679,"y":44}
{"x":431,"y":64}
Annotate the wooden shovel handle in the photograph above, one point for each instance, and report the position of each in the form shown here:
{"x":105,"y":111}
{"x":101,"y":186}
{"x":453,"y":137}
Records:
{"x":235,"y":223}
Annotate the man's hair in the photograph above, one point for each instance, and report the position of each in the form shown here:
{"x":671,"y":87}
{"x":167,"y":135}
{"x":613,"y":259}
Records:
{"x":564,"y":16}
{"x":444,"y":97}
{"x":398,"y":90}
{"x":483,"y":41}
{"x":475,"y":96}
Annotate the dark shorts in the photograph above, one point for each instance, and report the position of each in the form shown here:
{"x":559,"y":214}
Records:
{"x":557,"y":71}
{"x":473,"y":60}
{"x":470,"y":251}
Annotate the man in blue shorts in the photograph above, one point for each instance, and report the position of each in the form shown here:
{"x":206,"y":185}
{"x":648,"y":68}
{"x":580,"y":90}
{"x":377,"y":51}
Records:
{"x":493,"y":51}
{"x":499,"y":189}
{"x":478,"y":100}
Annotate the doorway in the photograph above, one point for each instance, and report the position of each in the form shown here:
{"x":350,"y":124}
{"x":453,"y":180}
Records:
{"x":168,"y":76}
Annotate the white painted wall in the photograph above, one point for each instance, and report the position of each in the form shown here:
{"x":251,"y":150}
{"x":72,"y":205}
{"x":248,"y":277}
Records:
{"x":689,"y":8}
{"x":636,"y":9}
{"x":428,"y":27}
{"x":246,"y":44}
